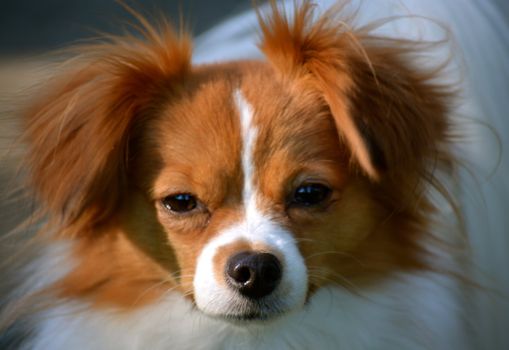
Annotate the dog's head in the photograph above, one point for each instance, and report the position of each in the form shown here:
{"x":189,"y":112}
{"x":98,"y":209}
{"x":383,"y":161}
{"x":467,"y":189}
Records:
{"x":245,"y":185}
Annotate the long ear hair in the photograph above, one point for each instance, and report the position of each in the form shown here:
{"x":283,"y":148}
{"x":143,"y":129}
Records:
{"x":391,"y":114}
{"x":78,"y":128}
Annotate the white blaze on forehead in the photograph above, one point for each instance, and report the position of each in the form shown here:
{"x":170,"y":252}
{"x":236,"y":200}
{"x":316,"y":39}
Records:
{"x":216,"y":298}
{"x":249,"y":134}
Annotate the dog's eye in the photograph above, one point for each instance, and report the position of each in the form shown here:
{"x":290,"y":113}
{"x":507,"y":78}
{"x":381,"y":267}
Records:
{"x":311,"y":194}
{"x":180,"y":202}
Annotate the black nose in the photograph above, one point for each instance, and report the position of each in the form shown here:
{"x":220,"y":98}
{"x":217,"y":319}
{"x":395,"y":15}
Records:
{"x":254,"y":275}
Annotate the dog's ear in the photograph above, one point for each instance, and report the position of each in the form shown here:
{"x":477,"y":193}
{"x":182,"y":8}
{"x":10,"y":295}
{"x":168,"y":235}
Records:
{"x":390,"y":115}
{"x":78,"y":128}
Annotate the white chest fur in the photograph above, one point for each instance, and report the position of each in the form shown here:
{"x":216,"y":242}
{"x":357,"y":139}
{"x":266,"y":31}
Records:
{"x":407,"y":313}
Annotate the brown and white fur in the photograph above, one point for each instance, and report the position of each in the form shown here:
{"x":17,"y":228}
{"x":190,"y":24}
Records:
{"x":131,"y":123}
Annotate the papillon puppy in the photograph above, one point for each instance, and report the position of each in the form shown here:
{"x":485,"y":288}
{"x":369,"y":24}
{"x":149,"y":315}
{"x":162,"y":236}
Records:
{"x":305,"y":200}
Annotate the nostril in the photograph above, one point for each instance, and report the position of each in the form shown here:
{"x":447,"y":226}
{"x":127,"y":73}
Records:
{"x":242,"y":274}
{"x":254,"y":274}
{"x":238,"y":271}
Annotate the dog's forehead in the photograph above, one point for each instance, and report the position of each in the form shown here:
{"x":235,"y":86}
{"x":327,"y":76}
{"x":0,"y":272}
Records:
{"x":292,"y":122}
{"x":210,"y":130}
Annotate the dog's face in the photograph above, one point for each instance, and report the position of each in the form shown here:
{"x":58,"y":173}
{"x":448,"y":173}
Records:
{"x":251,"y":185}
{"x":245,"y":186}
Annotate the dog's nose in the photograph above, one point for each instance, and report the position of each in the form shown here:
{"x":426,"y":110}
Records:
{"x":254,"y":275}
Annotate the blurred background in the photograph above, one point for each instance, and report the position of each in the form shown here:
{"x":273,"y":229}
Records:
{"x":35,"y":26}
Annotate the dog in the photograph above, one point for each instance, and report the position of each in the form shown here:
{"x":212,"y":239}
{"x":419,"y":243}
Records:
{"x":302,"y":201}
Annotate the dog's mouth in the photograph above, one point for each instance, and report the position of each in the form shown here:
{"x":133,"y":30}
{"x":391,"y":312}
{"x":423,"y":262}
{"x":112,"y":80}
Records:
{"x":242,"y":310}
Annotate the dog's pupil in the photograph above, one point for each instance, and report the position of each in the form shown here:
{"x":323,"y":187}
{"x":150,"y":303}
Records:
{"x":181,"y":202}
{"x":311,"y":194}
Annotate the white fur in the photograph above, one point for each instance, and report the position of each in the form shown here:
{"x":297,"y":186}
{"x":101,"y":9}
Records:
{"x":249,"y":132}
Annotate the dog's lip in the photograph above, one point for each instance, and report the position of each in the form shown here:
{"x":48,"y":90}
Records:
{"x":253,"y":314}
{"x":251,"y":317}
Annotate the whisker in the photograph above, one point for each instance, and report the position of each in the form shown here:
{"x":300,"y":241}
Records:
{"x":321,"y":272}
{"x":147,"y":290}
{"x":336,"y":252}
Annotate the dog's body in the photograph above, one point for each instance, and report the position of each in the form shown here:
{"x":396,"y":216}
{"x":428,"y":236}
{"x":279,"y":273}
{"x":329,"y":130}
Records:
{"x":301,"y":202}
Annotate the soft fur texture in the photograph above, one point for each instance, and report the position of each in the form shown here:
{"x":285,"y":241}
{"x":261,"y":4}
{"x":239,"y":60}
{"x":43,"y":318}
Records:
{"x":131,"y":121}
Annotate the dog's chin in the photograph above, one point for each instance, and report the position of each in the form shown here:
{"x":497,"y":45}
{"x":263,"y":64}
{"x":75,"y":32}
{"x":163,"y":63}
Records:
{"x":252,"y":313}
{"x":250,"y":319}
{"x":247,"y":319}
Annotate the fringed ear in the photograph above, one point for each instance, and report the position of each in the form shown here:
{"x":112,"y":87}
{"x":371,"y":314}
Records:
{"x":388,"y":114}
{"x":401,"y":112}
{"x":78,"y":129}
